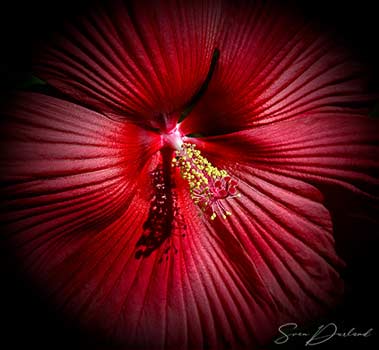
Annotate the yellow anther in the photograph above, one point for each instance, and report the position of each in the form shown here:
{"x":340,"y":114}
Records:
{"x":207,"y":186}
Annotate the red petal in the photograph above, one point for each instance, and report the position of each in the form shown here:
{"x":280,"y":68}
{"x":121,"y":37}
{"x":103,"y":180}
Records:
{"x":67,"y":170}
{"x":287,"y":232}
{"x":195,"y":298}
{"x":76,"y":208}
{"x":273,"y":261}
{"x":140,"y":59}
{"x":77,"y":219}
{"x":326,"y":149}
{"x":76,"y":205}
{"x":273,"y":66}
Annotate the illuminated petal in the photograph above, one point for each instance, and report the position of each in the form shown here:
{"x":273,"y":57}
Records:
{"x":78,"y":197}
{"x":66,"y":171}
{"x":282,"y":226}
{"x":79,"y":193}
{"x":323,"y":148}
{"x":275,"y":256}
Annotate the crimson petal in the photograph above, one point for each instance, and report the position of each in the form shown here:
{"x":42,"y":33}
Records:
{"x":273,"y":66}
{"x":76,"y":197}
{"x":228,"y":284}
{"x":126,"y":57}
{"x":66,"y":171}
{"x":76,"y":200}
{"x":332,"y":149}
{"x":277,"y":247}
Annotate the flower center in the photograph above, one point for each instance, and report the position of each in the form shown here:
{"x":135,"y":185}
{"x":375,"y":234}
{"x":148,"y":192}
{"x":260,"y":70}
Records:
{"x":173,"y":139}
{"x":209,"y":186}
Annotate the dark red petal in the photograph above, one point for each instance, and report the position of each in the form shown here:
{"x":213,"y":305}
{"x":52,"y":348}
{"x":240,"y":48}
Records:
{"x":280,"y":221}
{"x":232,"y":305}
{"x":290,"y":237}
{"x":66,"y":170}
{"x":141,"y":59}
{"x":273,"y":66}
{"x":231,"y":283}
{"x":324,"y":148}
{"x":276,"y":252}
{"x":76,"y":207}
{"x":196,"y":298}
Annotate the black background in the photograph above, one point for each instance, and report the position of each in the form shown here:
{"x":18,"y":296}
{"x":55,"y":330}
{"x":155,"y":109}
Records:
{"x":25,"y":319}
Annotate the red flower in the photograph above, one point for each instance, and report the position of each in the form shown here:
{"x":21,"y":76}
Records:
{"x":125,"y":242}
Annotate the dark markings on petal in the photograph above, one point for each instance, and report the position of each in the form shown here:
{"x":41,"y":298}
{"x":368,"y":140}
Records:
{"x":164,"y":216}
{"x":203,"y":87}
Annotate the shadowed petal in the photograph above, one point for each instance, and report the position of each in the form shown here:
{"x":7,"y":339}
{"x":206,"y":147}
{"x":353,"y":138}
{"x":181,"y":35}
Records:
{"x":273,"y":66}
{"x":144,"y":59}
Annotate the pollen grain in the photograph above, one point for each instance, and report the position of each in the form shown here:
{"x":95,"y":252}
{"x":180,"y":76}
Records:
{"x":209,"y":187}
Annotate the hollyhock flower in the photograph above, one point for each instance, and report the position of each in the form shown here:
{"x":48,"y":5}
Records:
{"x":172,"y":195}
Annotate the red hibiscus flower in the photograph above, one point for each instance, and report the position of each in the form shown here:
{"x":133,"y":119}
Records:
{"x":174,"y":197}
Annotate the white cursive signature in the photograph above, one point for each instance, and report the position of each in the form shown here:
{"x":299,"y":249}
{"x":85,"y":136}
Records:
{"x":321,"y":335}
